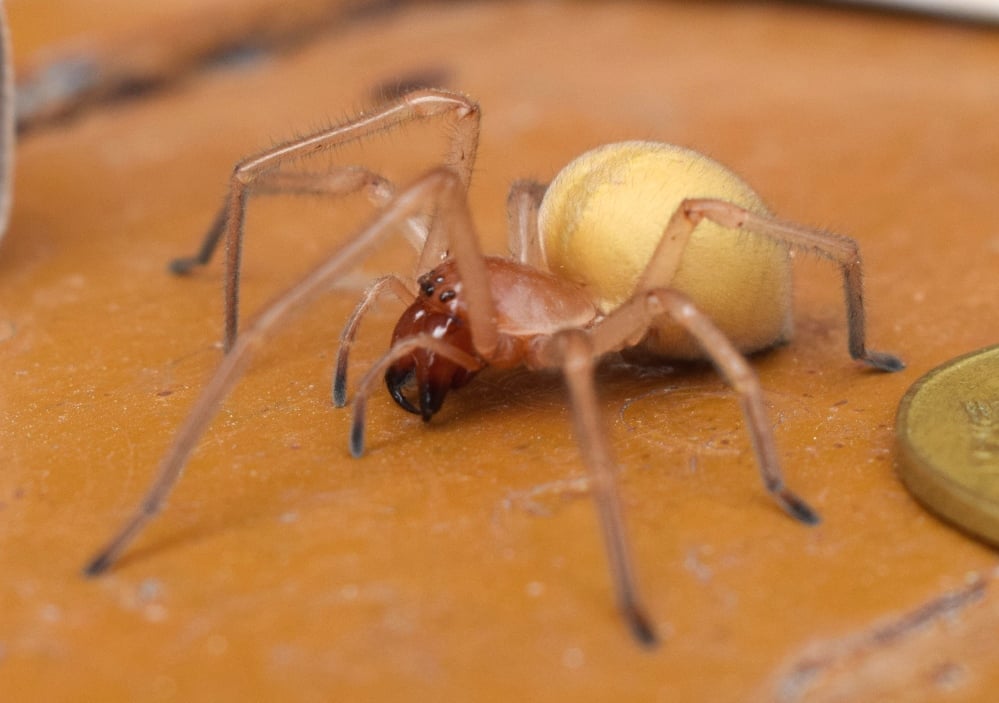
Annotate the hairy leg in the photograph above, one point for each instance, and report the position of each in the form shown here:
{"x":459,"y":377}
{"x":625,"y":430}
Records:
{"x":409,"y":203}
{"x":837,"y":248}
{"x":573,"y":352}
{"x":418,"y":105}
{"x":640,"y":312}
{"x":381,"y":286}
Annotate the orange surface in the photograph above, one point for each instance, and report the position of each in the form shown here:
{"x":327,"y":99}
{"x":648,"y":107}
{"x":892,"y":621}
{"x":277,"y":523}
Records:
{"x":284,"y":570}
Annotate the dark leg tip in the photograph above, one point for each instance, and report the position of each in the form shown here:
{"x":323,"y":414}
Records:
{"x":183,"y":265}
{"x":98,"y":566}
{"x":799,"y":509}
{"x":641,"y":628}
{"x":339,"y":392}
{"x":884,"y":362}
{"x":357,"y":440}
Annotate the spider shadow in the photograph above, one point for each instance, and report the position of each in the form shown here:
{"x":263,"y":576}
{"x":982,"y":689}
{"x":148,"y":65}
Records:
{"x":619,"y":378}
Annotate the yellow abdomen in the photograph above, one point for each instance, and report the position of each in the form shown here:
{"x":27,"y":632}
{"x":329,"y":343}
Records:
{"x":605,"y":212}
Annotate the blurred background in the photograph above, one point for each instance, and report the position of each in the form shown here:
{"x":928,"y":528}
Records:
{"x":443,"y":564}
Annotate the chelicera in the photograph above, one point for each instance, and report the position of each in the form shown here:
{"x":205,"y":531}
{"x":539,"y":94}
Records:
{"x":636,"y":245}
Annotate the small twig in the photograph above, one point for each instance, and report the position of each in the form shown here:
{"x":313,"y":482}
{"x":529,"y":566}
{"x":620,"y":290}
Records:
{"x":918,"y":650}
{"x":69,"y":80}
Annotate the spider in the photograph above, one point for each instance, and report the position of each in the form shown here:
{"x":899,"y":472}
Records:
{"x":633,"y":246}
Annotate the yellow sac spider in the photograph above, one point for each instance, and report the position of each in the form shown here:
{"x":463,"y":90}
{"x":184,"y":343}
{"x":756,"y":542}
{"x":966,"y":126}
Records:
{"x":636,"y":244}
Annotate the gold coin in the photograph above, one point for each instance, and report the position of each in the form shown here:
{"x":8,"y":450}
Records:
{"x":948,"y":440}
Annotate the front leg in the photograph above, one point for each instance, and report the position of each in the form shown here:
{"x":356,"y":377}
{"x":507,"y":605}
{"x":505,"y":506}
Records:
{"x":264,"y":168}
{"x":411,"y":202}
{"x":381,"y":286}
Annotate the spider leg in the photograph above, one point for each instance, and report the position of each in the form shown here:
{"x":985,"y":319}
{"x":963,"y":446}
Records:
{"x":418,"y":105}
{"x":640,"y":312}
{"x":381,"y":286}
{"x":522,"y":205}
{"x":453,"y":235}
{"x":409,"y":203}
{"x":837,"y":248}
{"x":574,"y":353}
{"x":182,"y":265}
{"x":337,"y":182}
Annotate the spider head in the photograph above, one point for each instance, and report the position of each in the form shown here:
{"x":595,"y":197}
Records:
{"x":419,"y":380}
